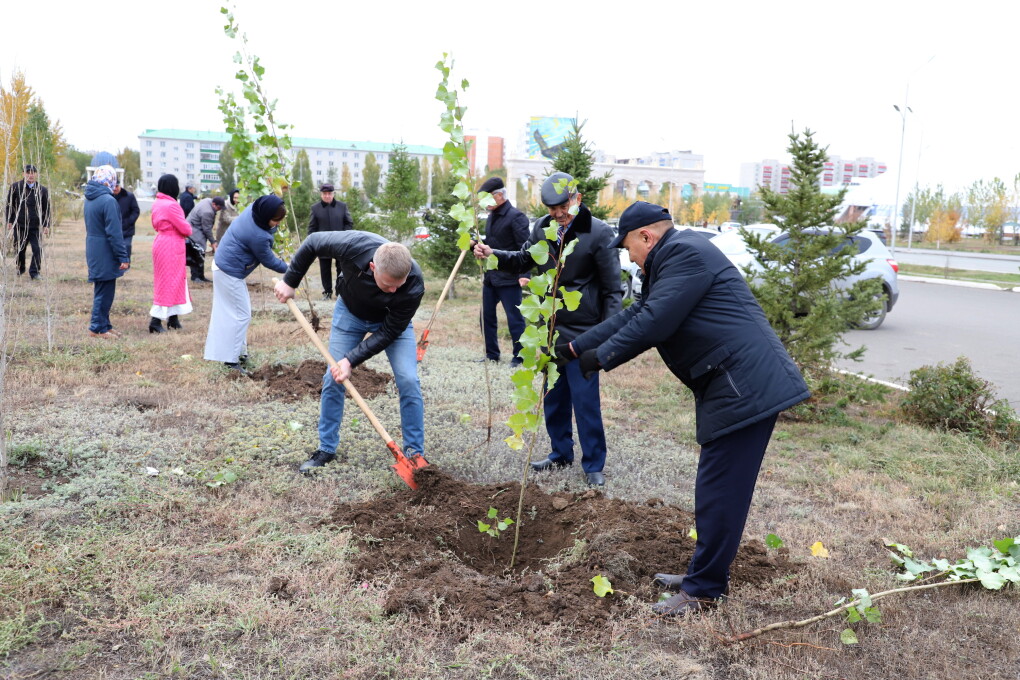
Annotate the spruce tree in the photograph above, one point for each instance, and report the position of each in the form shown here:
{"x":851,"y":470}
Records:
{"x":303,"y":195}
{"x":402,"y":195}
{"x":802,"y":286}
{"x":576,"y":158}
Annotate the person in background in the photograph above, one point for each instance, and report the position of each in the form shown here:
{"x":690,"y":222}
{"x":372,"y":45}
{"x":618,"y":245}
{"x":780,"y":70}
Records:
{"x":247,"y":244}
{"x":202,"y":219}
{"x":329,"y":214}
{"x":128,"y":213}
{"x":104,"y":248}
{"x":227,"y":215}
{"x":28,"y":214}
{"x":170,"y":295}
{"x":188,"y":199}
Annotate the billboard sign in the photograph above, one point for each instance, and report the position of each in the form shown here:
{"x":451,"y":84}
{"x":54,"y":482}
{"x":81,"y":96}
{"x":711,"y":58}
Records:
{"x":546,"y":135}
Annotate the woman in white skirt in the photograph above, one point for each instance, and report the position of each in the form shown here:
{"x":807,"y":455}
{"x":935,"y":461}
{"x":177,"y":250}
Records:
{"x":247,"y":244}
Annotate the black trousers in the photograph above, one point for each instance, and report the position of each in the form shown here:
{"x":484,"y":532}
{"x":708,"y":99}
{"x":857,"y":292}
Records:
{"x":326,"y":274}
{"x":727,"y":473}
{"x":26,"y":238}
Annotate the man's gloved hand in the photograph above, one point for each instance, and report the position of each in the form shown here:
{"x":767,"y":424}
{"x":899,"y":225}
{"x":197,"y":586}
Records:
{"x":589,"y":363}
{"x":564,"y":354}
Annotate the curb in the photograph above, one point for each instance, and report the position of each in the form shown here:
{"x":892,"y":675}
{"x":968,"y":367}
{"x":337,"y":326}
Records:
{"x":953,"y":282}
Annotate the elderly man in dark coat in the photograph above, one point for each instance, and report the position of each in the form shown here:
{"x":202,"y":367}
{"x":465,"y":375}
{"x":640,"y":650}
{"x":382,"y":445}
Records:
{"x":202,"y":219}
{"x":329,"y":214}
{"x":27,"y":214}
{"x":593,"y":268}
{"x":709,"y":329}
{"x":129,"y":212}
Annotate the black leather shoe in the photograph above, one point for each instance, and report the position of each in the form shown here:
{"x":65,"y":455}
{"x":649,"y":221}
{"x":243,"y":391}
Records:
{"x":318,"y":459}
{"x":595,"y":478}
{"x":682,"y":604}
{"x":548,"y":464}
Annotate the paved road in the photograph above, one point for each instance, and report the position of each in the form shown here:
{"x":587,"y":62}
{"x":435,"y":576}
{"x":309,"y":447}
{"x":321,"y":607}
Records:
{"x":935,"y":323}
{"x":1009,"y":264}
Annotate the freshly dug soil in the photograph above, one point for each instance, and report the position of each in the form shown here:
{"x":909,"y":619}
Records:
{"x":288,"y":383}
{"x":429,"y":543}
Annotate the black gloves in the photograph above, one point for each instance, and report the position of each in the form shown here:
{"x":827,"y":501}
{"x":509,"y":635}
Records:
{"x":564,"y":354}
{"x":589,"y":363}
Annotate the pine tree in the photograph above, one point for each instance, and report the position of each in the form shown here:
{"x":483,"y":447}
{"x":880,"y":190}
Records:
{"x":402,"y":195}
{"x":303,"y":195}
{"x":228,"y":182}
{"x":798,"y":287}
{"x":577,"y":159}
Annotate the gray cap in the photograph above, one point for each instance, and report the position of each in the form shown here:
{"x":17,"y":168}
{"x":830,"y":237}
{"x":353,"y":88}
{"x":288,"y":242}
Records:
{"x":550,"y":196}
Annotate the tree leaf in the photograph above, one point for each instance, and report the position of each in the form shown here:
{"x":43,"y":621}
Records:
{"x":1004,"y":545}
{"x":571,"y":298}
{"x":818,"y":550}
{"x":482,"y":527}
{"x":848,"y":637}
{"x":693,"y":533}
{"x":539,"y":252}
{"x":773,"y":541}
{"x":992,"y":580}
{"x":602,"y":586}
{"x":492,"y":513}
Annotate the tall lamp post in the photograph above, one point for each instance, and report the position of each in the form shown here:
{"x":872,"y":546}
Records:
{"x":903,"y":132}
{"x":913,"y":202}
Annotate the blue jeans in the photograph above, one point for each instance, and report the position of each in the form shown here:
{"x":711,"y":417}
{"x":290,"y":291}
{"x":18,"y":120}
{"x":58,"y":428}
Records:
{"x":510,"y":298}
{"x":573,"y":393}
{"x":346,"y":333}
{"x":102,"y":300}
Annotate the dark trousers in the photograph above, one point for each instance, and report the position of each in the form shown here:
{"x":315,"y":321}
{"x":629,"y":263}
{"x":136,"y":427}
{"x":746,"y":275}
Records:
{"x":573,"y":393}
{"x":25,"y":239}
{"x":102,"y":299}
{"x":510,"y":298}
{"x":127,"y":245}
{"x":326,"y":274}
{"x":197,"y":270}
{"x":727,"y":472}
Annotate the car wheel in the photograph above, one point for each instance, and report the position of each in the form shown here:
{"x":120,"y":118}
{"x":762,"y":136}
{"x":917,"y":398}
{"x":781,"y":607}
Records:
{"x":872,"y":322}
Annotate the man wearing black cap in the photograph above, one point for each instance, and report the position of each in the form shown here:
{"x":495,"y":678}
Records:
{"x":329,"y":214}
{"x":709,"y":329}
{"x":28,"y":213}
{"x":506,"y":229}
{"x":593,"y":268}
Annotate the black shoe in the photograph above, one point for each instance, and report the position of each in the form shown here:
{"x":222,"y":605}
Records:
{"x":36,"y":277}
{"x":318,"y":459}
{"x":174,"y":323}
{"x":595,"y":478}
{"x":548,"y":464}
{"x":515,"y":362}
{"x":235,"y":367}
{"x":243,"y":360}
{"x":156,"y":325}
{"x":683,"y":604}
{"x":670,"y":582}
{"x":478,"y":361}
{"x":327,"y":296}
{"x":200,"y":280}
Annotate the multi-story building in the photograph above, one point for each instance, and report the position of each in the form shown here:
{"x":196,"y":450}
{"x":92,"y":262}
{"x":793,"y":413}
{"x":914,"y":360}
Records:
{"x":485,"y":151}
{"x":194,"y":156}
{"x":835,"y":172}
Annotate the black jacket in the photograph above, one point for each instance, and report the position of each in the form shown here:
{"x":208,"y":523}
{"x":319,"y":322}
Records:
{"x":353,"y":250}
{"x":506,"y":229}
{"x":28,"y":207}
{"x":128,"y":211}
{"x":592,"y":268}
{"x":698,"y":312}
{"x":329,"y":217}
{"x":187,"y":201}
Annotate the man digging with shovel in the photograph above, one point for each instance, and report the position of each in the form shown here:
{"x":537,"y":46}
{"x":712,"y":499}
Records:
{"x":378,"y":293}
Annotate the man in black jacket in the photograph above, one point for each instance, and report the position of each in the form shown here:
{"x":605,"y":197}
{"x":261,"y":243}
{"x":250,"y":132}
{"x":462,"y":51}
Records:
{"x":329,"y":214}
{"x":187,"y":199}
{"x":379,"y":291}
{"x":709,"y":329}
{"x":128,"y":213}
{"x":506,"y":229}
{"x":594,"y":269}
{"x":28,"y":213}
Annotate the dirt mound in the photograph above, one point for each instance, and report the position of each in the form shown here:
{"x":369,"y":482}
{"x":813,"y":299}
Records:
{"x":430,"y":542}
{"x":288,"y":383}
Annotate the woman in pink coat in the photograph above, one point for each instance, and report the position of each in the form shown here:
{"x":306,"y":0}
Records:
{"x":170,"y":296}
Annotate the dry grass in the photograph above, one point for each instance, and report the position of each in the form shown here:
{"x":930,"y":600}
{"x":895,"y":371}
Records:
{"x":108,"y":572}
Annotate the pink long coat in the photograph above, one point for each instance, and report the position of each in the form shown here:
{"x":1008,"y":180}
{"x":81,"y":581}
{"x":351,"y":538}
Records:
{"x":169,"y":273}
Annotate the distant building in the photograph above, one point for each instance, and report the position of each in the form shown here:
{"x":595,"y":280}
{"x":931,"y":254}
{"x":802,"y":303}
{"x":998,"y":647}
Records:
{"x":194,"y":156}
{"x":485,"y":151}
{"x":836,"y":172}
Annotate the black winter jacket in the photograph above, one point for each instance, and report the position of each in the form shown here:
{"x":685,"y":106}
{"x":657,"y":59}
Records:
{"x":698,"y":312}
{"x":28,"y":207}
{"x":330,"y":217}
{"x":354,"y":251}
{"x":128,"y":211}
{"x":187,"y":201}
{"x":592,"y":268}
{"x":506,"y":228}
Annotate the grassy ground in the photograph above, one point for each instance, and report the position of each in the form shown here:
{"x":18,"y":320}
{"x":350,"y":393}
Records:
{"x":998,"y":278}
{"x":126,"y":552}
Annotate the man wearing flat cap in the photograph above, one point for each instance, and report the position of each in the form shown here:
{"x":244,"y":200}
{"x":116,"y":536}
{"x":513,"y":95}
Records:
{"x":593,"y":268}
{"x":506,"y":229}
{"x":709,"y":329}
{"x":28,"y":213}
{"x":329,"y":214}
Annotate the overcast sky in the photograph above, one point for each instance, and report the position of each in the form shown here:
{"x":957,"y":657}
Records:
{"x":725,"y":80}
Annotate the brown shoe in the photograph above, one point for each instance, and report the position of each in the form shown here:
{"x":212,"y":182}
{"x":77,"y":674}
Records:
{"x":106,"y":336}
{"x":682,"y":604}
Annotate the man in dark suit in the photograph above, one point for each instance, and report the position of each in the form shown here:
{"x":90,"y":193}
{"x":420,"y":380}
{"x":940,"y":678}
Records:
{"x":709,"y":329}
{"x":128,"y":213}
{"x":28,"y":214}
{"x":329,"y":214}
{"x":506,"y":229}
{"x":187,"y":199}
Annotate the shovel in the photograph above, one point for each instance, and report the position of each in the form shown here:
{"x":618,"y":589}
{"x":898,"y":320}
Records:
{"x":423,"y":344}
{"x":404,"y":466}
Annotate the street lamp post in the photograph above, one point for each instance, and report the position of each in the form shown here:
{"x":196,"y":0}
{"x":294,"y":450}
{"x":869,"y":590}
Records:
{"x":903,"y":132}
{"x":913,"y":203}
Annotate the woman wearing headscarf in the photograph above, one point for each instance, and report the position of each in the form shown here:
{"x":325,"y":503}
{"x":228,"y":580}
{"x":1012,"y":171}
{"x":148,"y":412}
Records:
{"x":247,"y":244}
{"x":227,"y":215}
{"x":170,"y":295}
{"x":105,"y":252}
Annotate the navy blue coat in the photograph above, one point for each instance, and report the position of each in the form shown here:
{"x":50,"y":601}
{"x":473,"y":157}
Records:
{"x":104,"y":236}
{"x":708,"y":327}
{"x":506,"y":229}
{"x":128,"y":211}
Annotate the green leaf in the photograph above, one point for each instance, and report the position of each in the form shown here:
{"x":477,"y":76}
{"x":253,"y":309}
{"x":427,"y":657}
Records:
{"x":461,"y":191}
{"x":550,"y":231}
{"x":863,"y":595}
{"x":848,"y":637}
{"x":492,"y":513}
{"x":508,"y":521}
{"x":902,"y":549}
{"x":464,"y":240}
{"x":1010,"y":574}
{"x":602,"y":586}
{"x":852,"y":615}
{"x":491,"y":262}
{"x":485,"y":200}
{"x":1004,"y":545}
{"x":571,"y":298}
{"x":515,"y":442}
{"x":991,"y":579}
{"x":539,"y":252}
{"x":482,"y":527}
{"x":531,"y":308}
{"x":773,"y":541}
{"x":872,"y":615}
{"x":522,"y":377}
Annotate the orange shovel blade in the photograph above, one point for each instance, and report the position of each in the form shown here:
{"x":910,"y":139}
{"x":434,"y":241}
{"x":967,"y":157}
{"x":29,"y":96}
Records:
{"x":423,"y":344}
{"x":405,"y":467}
